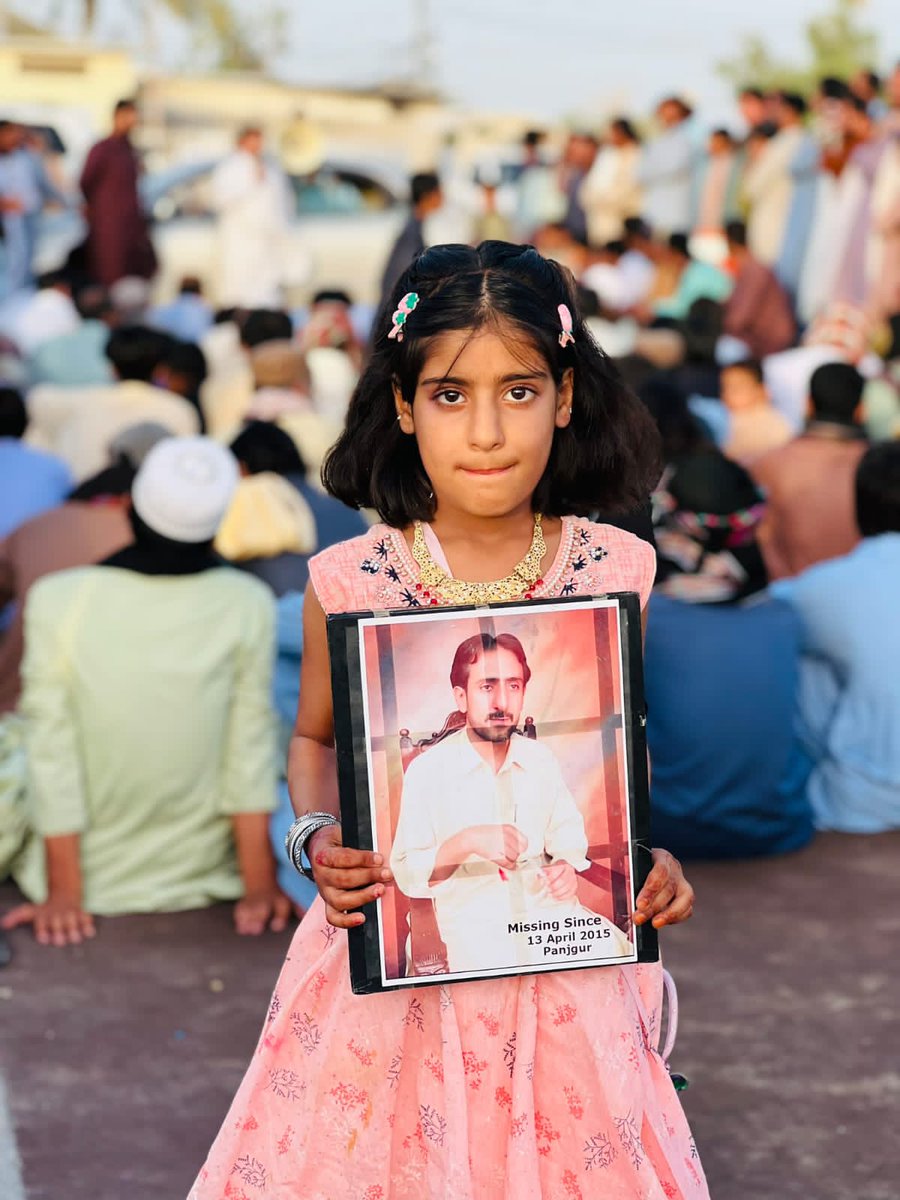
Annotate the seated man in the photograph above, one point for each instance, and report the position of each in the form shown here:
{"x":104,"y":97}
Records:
{"x":79,"y":423}
{"x":31,"y":481}
{"x":849,"y":697}
{"x":755,"y":427}
{"x":810,"y":482}
{"x":149,"y":735}
{"x":758,"y":312}
{"x":728,"y":775}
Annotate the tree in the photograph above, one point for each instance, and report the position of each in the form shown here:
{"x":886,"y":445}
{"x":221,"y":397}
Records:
{"x":838,"y":44}
{"x":237,"y":43}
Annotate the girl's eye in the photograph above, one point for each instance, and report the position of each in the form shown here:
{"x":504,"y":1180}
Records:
{"x":519,"y":394}
{"x":450,"y":397}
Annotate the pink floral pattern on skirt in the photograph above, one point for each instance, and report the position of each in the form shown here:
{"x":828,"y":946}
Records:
{"x":511,"y":1089}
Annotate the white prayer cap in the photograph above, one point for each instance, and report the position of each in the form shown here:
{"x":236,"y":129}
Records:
{"x":184,"y":488}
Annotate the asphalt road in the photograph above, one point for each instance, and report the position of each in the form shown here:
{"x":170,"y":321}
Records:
{"x":121,"y":1057}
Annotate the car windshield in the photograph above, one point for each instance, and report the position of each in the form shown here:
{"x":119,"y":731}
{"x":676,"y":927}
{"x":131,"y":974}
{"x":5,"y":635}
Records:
{"x":330,"y":191}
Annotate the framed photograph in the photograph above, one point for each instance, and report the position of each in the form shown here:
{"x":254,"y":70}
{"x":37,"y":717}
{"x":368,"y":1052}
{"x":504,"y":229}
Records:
{"x":496,"y":757}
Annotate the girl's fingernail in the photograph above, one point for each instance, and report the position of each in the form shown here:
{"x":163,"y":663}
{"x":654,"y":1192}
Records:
{"x":386,"y":876}
{"x":378,"y":860}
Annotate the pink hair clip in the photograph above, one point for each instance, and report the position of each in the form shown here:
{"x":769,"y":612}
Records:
{"x":565,"y":319}
{"x":406,"y":306}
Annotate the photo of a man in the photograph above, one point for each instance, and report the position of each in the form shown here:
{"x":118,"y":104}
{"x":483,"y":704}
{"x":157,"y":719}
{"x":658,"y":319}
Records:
{"x":490,"y":833}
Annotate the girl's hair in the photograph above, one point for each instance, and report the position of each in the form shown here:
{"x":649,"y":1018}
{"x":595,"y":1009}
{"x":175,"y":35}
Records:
{"x":606,"y":459}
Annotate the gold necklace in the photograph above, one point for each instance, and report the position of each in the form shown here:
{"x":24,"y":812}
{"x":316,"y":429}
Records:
{"x":436,"y":585}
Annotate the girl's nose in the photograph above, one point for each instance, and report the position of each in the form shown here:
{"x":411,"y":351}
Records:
{"x":485,"y":426}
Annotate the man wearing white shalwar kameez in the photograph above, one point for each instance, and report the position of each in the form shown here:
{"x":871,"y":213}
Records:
{"x":251,"y":197}
{"x":490,"y":832}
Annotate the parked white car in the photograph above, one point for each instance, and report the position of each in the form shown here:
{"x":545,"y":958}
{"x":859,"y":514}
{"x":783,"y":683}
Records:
{"x":345,"y":221}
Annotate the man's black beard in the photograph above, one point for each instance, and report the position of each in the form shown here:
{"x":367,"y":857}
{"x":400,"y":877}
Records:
{"x":494,"y":733}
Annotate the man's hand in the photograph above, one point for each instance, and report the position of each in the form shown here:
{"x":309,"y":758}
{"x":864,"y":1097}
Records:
{"x":257,"y":911}
{"x":667,"y":897}
{"x":500,"y":844}
{"x":346,"y":879}
{"x":59,"y":921}
{"x":560,"y":880}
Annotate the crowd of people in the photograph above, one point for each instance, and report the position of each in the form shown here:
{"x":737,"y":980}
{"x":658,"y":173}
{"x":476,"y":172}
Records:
{"x":160,"y":496}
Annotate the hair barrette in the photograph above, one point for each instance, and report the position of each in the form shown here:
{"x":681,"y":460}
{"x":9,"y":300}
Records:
{"x":565,"y":319}
{"x":406,"y":306}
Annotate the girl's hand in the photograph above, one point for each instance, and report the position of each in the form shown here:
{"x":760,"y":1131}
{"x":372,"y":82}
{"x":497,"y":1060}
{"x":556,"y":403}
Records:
{"x":667,"y":897}
{"x":560,"y":880}
{"x":346,"y":878}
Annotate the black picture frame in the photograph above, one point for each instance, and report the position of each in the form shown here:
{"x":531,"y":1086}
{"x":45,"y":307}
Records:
{"x":353,"y":743}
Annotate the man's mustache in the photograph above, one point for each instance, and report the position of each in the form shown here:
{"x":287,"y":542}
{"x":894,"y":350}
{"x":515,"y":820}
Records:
{"x":499,"y":716}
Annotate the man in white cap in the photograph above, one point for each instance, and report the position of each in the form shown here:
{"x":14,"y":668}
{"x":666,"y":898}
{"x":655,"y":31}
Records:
{"x":149,"y":736}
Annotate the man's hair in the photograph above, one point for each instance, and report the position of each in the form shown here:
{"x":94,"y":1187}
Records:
{"x":751,"y":366}
{"x":266,"y":325}
{"x":115,"y":480}
{"x":426,"y":183}
{"x":533,"y":137}
{"x":262,"y":446}
{"x":333,"y":296}
{"x":13,"y":413}
{"x":606,"y":459}
{"x":878,"y":490}
{"x":190,"y":286}
{"x":835,"y":392}
{"x":187,"y":359}
{"x":683,"y":107}
{"x":873,"y":79}
{"x":678,"y":244}
{"x":751,"y":90}
{"x":833,"y":88}
{"x":249,"y":131}
{"x":795,"y":101}
{"x":93,"y":302}
{"x":637,"y":227}
{"x":625,"y":127}
{"x":125,"y":105}
{"x":136,"y":351}
{"x":472,"y":648}
{"x":736,"y":233}
{"x":722,"y":132}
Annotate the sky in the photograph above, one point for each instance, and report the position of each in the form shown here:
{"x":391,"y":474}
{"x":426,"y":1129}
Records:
{"x":549,"y":58}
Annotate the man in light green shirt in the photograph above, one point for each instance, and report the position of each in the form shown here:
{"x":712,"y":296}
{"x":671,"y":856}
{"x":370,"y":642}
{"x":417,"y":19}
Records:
{"x":149,"y":734}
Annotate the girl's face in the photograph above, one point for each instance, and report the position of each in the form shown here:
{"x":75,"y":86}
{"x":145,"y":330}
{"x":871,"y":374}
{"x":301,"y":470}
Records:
{"x":483,"y":415}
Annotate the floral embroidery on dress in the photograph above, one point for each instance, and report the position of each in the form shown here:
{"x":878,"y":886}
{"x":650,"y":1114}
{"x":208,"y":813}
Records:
{"x":307,"y":1032}
{"x":251,"y":1171}
{"x":433,"y":1124}
{"x":598,"y":1152}
{"x":394,"y":1070}
{"x":415,"y":1014}
{"x":571,"y":1185}
{"x":509,"y":1055}
{"x":286,"y":1084}
{"x":630,"y":1137}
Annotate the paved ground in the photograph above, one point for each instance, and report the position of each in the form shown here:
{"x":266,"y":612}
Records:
{"x":121,"y":1057}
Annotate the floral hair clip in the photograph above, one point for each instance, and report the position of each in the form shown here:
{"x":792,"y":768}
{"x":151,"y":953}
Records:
{"x":406,"y":306}
{"x":565,"y":319}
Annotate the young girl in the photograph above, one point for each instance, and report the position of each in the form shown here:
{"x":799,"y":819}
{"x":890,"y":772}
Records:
{"x":486,"y":418}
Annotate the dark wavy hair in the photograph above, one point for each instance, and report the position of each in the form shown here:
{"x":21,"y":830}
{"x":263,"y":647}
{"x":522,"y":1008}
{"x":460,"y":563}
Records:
{"x":606,"y":459}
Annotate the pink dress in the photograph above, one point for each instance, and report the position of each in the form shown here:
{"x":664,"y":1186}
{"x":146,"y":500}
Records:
{"x":542,"y":1087}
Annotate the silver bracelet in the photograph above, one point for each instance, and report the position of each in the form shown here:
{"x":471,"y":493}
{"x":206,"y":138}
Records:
{"x":300,"y":833}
